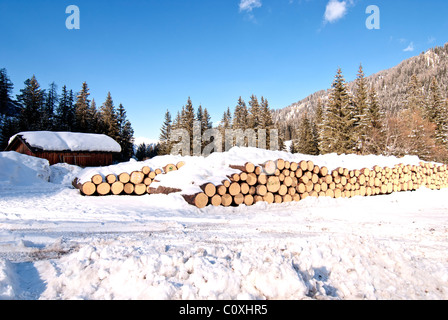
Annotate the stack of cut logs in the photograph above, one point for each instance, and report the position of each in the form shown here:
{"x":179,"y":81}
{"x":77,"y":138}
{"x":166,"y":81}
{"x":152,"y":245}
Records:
{"x":283,"y":181}
{"x":134,"y":183}
{"x":276,"y":182}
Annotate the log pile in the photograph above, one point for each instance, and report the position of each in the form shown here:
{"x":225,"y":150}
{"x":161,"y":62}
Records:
{"x":283,"y":181}
{"x":133,"y":183}
{"x":276,"y":182}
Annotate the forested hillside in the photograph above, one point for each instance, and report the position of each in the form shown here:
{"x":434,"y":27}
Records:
{"x":390,"y":85}
{"x":411,"y":102}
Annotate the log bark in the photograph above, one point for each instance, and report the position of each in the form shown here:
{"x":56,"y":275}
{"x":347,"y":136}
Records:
{"x":248,"y":167}
{"x":161,"y":190}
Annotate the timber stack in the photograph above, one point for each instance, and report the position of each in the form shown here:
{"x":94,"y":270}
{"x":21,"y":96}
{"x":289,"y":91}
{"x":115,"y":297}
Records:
{"x":276,"y":181}
{"x":283,"y":181}
{"x":127,"y":183}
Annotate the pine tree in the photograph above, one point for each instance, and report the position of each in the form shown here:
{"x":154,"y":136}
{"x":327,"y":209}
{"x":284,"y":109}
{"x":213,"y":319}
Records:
{"x":125,"y":135}
{"x":206,"y":122}
{"x":83,"y":112}
{"x":306,"y":142}
{"x":374,"y":119}
{"x":32,"y":99}
{"x":241,"y":115}
{"x":361,"y":121}
{"x":418,"y":134}
{"x":165,"y":133}
{"x":254,"y":113}
{"x":266,"y":115}
{"x":318,"y":120}
{"x":337,"y":136}
{"x":9,"y":127}
{"x":6,"y":87}
{"x":226,"y":123}
{"x":414,"y":95}
{"x":142,"y":151}
{"x":200,"y":115}
{"x":229,"y":117}
{"x":266,"y":121}
{"x":95,"y":123}
{"x":436,"y":113}
{"x":65,"y":111}
{"x":108,"y":118}
{"x":177,"y":122}
{"x":48,"y":110}
{"x":8,"y":122}
{"x":189,"y":117}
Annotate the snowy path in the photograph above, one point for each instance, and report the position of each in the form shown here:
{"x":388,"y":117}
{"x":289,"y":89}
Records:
{"x":60,"y":245}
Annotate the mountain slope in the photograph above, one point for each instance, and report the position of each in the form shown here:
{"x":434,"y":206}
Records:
{"x":390,"y":84}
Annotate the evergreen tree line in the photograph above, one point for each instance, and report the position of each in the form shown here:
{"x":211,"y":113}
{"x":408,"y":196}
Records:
{"x":256,"y":116}
{"x":38,"y":109}
{"x":356,"y":123}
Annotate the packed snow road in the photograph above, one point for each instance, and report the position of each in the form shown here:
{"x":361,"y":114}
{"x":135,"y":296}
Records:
{"x":57,"y":244}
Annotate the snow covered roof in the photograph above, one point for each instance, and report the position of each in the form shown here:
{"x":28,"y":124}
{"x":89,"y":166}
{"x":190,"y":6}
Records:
{"x":68,"y":141}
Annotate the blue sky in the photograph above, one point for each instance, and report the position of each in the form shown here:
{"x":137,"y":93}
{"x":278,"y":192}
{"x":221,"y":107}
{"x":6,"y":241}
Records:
{"x":152,"y":55}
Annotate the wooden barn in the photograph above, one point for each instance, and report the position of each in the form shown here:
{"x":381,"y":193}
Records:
{"x":81,"y":149}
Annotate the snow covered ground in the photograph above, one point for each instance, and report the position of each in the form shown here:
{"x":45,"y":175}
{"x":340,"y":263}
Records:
{"x":57,"y":244}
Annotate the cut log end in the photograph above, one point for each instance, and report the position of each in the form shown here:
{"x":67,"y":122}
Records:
{"x":88,"y":188}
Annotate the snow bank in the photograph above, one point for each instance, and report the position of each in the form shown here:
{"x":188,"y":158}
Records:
{"x":8,"y":280}
{"x":21,"y":170}
{"x":69,"y":141}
